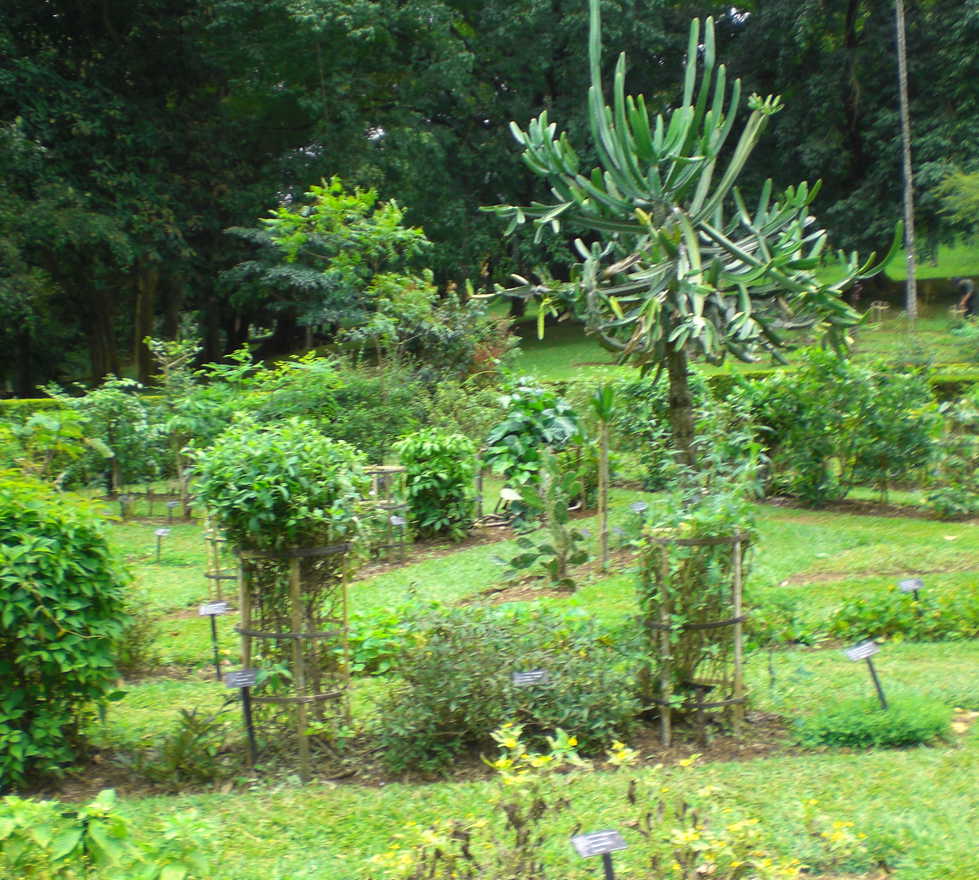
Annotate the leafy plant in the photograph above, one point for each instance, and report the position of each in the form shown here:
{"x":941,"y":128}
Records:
{"x":951,"y":614}
{"x":46,"y":840}
{"x":456,"y":683}
{"x":62,"y":611}
{"x":536,"y":419}
{"x":955,"y":490}
{"x":675,"y":834}
{"x":439,"y":481}
{"x":194,"y":751}
{"x":830,"y":424}
{"x":116,"y":416}
{"x":686,"y":575}
{"x":908,"y":721}
{"x":271,"y":487}
{"x":562,"y":545}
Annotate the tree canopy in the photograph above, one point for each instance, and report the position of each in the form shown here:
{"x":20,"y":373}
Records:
{"x":136,"y":132}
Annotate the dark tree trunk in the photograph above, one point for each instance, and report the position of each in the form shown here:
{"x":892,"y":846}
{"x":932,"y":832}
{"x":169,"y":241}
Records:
{"x":681,"y":407}
{"x":147,"y":283}
{"x":173,"y":294}
{"x":101,"y":340}
{"x":23,"y":366}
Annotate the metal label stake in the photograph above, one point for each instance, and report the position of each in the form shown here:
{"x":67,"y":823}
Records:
{"x":602,"y":843}
{"x":212,"y":610}
{"x":244,"y":680}
{"x":865,"y":651}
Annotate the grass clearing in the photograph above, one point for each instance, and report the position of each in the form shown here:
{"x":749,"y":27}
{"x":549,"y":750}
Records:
{"x":916,"y":806}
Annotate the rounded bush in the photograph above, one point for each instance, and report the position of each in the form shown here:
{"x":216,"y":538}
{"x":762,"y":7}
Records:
{"x":287,"y":485}
{"x":61,"y":612}
{"x":441,"y":468}
{"x":457,"y":684}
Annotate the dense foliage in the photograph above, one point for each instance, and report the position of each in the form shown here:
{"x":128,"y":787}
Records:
{"x":272,"y":487}
{"x":456,"y":684}
{"x":61,"y":612}
{"x":831,"y":424}
{"x":47,"y":840}
{"x":862,"y":723}
{"x":200,"y":116}
{"x":440,"y":481}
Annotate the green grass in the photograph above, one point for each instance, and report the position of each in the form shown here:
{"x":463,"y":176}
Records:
{"x":916,"y":806}
{"x":950,"y":261}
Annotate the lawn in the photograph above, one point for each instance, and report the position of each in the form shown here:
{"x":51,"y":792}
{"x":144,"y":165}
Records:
{"x":915,"y":806}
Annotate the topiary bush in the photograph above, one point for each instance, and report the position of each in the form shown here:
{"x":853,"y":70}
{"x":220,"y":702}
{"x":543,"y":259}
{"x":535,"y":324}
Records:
{"x":272,"y":487}
{"x":908,"y":721}
{"x":61,"y":611}
{"x":439,"y":481}
{"x":457,"y":684}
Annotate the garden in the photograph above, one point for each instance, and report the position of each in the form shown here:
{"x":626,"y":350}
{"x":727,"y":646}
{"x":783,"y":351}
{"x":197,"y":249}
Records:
{"x":458,"y":598}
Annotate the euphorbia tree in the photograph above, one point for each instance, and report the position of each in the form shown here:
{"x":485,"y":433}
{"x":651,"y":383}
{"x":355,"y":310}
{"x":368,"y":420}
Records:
{"x":674,"y":258}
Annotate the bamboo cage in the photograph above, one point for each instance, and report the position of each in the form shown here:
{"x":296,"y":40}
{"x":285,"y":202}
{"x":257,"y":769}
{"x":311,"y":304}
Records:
{"x":693,"y":620}
{"x":294,"y":617}
{"x":387,"y":498}
{"x":220,"y":568}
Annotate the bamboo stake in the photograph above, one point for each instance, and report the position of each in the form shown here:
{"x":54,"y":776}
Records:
{"x":299,"y":667}
{"x":666,"y":664}
{"x":245,"y":604}
{"x":738,"y":643}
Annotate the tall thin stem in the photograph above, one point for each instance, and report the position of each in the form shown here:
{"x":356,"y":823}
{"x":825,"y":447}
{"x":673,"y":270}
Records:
{"x":911,"y":290}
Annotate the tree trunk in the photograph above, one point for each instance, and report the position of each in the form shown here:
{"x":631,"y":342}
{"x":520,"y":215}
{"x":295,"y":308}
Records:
{"x":681,"y":407}
{"x":147,"y":282}
{"x":911,"y":293}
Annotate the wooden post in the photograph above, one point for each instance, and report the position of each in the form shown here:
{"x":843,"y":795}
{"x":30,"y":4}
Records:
{"x":603,"y":491}
{"x":666,"y":664}
{"x":245,"y":605}
{"x":738,"y":714}
{"x":299,"y":666}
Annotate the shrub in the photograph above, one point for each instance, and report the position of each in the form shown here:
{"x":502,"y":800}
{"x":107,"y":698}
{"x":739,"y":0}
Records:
{"x":61,"y":613}
{"x":116,"y":416}
{"x":439,"y":481}
{"x":194,"y":751}
{"x":830,"y":424}
{"x":46,"y":840}
{"x":536,"y":419}
{"x":276,"y":486}
{"x":862,"y":723}
{"x":956,"y":477}
{"x":457,"y":684}
{"x":952,"y":614}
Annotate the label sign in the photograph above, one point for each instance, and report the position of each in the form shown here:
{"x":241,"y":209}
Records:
{"x":638,"y":507}
{"x":863,"y":651}
{"x":241,"y":678}
{"x":398,"y":521}
{"x":597,"y":842}
{"x":536,"y":676}
{"x":213,"y":608}
{"x":912,"y":585}
{"x":162,"y":533}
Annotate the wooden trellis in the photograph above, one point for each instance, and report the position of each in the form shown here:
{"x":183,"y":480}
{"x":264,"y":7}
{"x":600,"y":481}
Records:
{"x":294,"y":615}
{"x":387,"y":496}
{"x":693,"y":618}
{"x":220,"y":568}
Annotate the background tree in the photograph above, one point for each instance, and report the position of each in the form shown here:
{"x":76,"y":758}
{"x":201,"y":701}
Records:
{"x":675,"y":259}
